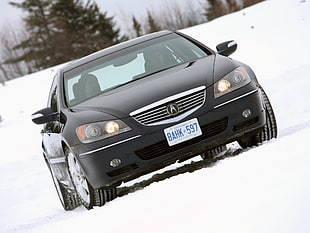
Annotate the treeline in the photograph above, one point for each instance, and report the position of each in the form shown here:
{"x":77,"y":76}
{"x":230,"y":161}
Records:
{"x":57,"y":31}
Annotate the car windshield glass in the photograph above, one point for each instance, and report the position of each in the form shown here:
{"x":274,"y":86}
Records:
{"x":140,"y":61}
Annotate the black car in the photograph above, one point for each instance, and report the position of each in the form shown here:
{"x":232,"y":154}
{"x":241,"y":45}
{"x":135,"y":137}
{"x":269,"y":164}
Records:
{"x":141,"y":105}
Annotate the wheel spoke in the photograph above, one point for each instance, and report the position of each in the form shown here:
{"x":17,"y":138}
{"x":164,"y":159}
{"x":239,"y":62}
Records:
{"x":68,"y":199}
{"x":79,"y":179}
{"x":89,"y":197}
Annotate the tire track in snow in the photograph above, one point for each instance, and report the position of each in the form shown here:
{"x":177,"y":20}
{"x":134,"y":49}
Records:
{"x":192,"y":167}
{"x":294,"y":129}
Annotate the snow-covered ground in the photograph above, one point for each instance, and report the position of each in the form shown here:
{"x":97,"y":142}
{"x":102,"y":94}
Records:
{"x":265,"y":189}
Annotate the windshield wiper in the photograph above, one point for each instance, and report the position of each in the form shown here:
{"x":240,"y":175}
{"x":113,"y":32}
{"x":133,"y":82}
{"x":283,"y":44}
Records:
{"x":147,"y":75}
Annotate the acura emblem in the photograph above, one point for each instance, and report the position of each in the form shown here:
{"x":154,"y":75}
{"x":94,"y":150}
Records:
{"x":173,"y":109}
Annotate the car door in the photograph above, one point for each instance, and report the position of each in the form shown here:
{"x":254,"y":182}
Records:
{"x":51,"y":133}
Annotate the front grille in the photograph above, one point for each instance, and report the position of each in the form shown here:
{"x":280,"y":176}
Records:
{"x":189,"y":102}
{"x":162,"y":148}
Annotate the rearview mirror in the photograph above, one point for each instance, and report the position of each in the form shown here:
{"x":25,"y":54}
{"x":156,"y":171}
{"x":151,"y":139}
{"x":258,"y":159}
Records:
{"x":44,"y":116}
{"x":226,"y":48}
{"x":123,"y":60}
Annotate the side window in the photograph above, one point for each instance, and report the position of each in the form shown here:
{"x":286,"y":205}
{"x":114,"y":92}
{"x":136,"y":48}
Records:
{"x":52,"y":100}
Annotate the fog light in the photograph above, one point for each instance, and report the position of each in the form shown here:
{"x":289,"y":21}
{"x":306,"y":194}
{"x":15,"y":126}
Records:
{"x":246,"y":113}
{"x":115,"y":162}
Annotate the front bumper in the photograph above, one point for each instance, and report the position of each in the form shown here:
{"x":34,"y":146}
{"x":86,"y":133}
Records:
{"x":142,"y":153}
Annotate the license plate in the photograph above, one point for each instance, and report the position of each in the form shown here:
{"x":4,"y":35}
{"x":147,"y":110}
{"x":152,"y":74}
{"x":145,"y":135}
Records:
{"x":182,"y":132}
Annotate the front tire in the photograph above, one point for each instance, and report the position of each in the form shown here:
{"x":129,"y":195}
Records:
{"x":82,"y":187}
{"x":89,"y":197}
{"x":67,"y":196}
{"x":269,"y":130}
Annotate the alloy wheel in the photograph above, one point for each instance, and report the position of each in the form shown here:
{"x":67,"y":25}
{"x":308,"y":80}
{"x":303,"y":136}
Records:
{"x":79,"y":180}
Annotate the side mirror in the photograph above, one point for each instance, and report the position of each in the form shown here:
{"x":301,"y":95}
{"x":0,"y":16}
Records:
{"x":44,"y":116}
{"x":226,"y":48}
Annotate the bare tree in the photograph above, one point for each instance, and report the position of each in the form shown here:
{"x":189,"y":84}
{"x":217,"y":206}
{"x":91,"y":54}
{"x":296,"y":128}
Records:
{"x":9,"y":37}
{"x":136,"y":26}
{"x":247,"y":3}
{"x":4,"y":75}
{"x":233,"y":6}
{"x":171,"y":17}
{"x":153,"y":25}
{"x":195,"y":13}
{"x":63,"y":30}
{"x":176,"y":16}
{"x":215,"y":9}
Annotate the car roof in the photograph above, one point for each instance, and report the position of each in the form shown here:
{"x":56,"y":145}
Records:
{"x":114,"y":48}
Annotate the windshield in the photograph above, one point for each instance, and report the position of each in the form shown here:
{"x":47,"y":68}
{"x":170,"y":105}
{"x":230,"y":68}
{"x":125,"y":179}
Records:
{"x":139,"y":62}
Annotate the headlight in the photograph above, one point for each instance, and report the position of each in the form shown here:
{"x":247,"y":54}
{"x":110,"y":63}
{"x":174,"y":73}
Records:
{"x":232,"y":81}
{"x":99,"y":130}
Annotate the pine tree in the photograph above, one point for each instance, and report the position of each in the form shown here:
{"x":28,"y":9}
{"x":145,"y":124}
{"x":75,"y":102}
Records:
{"x":63,"y":30}
{"x":83,"y":29}
{"x":37,"y":49}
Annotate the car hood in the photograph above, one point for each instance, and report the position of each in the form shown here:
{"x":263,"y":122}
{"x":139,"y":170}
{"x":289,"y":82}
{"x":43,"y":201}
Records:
{"x":128,"y":98}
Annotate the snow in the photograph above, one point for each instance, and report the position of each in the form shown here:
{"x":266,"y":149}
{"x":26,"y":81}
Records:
{"x":264,"y":189}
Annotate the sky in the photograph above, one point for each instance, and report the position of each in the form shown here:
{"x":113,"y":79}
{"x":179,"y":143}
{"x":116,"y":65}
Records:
{"x":9,"y":13}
